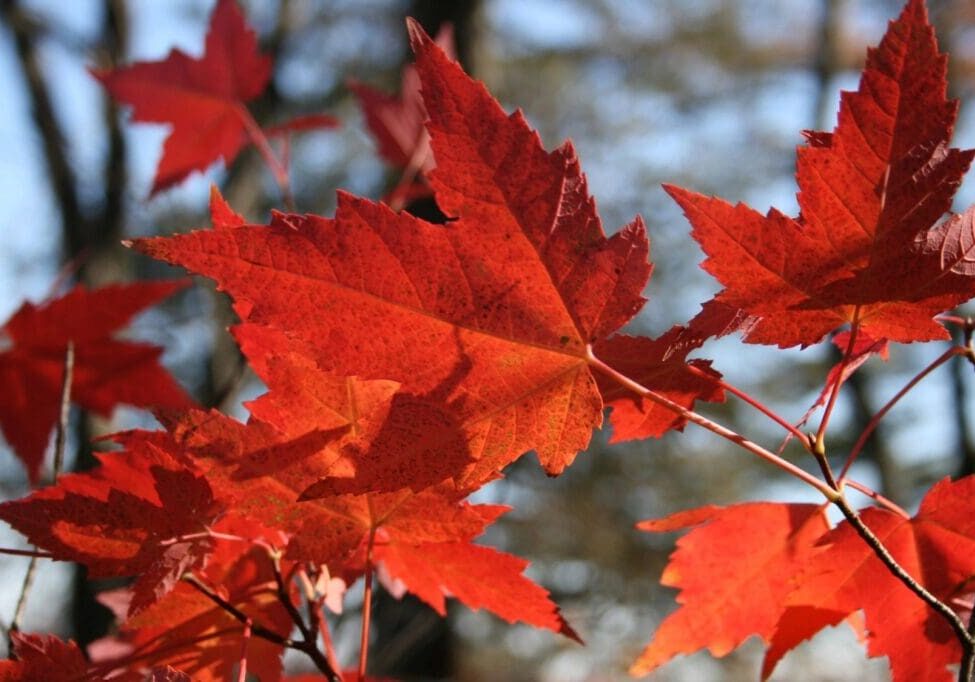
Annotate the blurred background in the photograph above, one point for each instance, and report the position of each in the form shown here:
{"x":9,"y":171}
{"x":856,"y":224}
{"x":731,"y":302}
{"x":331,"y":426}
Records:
{"x":709,"y":94}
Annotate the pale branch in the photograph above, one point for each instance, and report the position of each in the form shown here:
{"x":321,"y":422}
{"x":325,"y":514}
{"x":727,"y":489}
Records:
{"x":59,"y":441}
{"x":875,"y":420}
{"x":309,"y":634}
{"x":712,"y":426}
{"x":794,"y":431}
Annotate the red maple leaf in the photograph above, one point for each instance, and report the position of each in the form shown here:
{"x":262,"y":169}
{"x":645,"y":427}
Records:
{"x":775,"y":571}
{"x":203,"y":99}
{"x":477,"y":576}
{"x":734,"y":570}
{"x":107,"y":372}
{"x":426,"y":537}
{"x":43,"y":657}
{"x":488,"y":318}
{"x":390,"y":439}
{"x":936,"y":547}
{"x":190,"y":632}
{"x":864,"y":249}
{"x":659,"y":363}
{"x":128,"y":516}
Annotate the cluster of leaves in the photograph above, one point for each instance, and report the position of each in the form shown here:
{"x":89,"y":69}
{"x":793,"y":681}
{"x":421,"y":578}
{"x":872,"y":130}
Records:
{"x":408,"y":363}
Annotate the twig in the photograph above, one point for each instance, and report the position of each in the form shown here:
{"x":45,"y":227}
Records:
{"x":954,"y":620}
{"x":835,"y":390}
{"x":59,"y":441}
{"x":758,"y":405}
{"x":26,"y":552}
{"x":256,"y":630}
{"x":726,"y":433}
{"x":308,"y":634}
{"x":875,"y":421}
{"x":62,"y":432}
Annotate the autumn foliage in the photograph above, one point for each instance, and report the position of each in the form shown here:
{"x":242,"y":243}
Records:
{"x":407,"y":363}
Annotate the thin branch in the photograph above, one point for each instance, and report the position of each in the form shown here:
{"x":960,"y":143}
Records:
{"x":835,"y":390}
{"x":59,"y":441}
{"x":954,"y":620}
{"x":875,"y":421}
{"x":256,"y":630}
{"x":26,"y":552}
{"x":62,"y":432}
{"x":758,"y":405}
{"x":726,"y":433}
{"x":877,"y":497}
{"x":74,"y":225}
{"x":308,"y":634}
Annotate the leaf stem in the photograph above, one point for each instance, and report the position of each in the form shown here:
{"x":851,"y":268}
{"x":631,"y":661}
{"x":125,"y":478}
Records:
{"x":877,"y":497}
{"x":419,"y":157}
{"x":366,"y":608}
{"x":216,"y":535}
{"x":835,"y":390}
{"x":875,"y":420}
{"x":726,"y":433}
{"x":758,"y":405}
{"x":315,"y":619}
{"x":280,"y":173}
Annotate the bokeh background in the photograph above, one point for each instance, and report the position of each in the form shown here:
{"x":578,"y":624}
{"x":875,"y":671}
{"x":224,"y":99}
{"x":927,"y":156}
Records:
{"x":709,"y":94}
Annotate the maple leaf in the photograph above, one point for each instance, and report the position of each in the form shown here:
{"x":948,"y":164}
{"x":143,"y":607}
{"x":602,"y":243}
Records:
{"x":477,"y":576}
{"x":107,"y":372}
{"x":489,"y":317}
{"x":203,"y":99}
{"x":936,"y":547}
{"x":188,"y":631}
{"x":863,"y":250}
{"x":661,"y":363}
{"x":735,"y":570}
{"x":126,"y":517}
{"x":425,"y":536}
{"x":383,"y":446}
{"x":43,"y":657}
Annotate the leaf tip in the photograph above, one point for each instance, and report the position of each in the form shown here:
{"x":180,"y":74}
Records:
{"x":418,"y":37}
